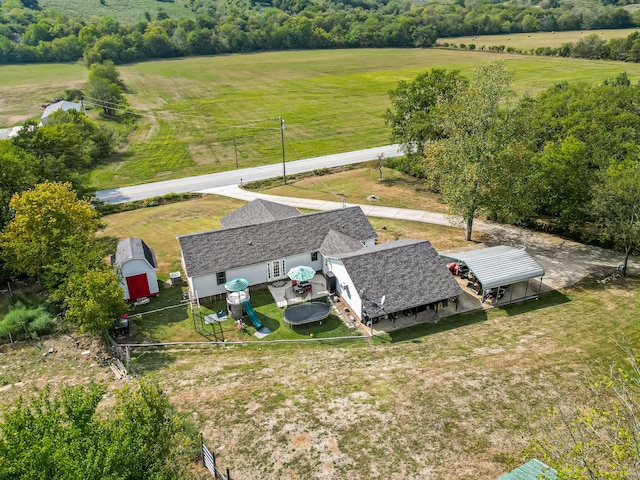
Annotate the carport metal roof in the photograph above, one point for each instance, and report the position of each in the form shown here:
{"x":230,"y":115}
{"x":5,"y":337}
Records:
{"x":497,"y":266}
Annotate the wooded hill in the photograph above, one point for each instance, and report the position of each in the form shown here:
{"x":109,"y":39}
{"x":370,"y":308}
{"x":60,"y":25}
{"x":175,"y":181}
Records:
{"x":29,"y":33}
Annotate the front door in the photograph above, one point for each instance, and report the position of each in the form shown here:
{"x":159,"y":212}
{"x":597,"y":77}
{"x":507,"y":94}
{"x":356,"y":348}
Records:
{"x":275,"y":270}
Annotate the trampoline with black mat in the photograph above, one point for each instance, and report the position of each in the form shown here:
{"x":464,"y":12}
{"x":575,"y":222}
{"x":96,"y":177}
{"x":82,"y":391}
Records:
{"x":306,"y":313}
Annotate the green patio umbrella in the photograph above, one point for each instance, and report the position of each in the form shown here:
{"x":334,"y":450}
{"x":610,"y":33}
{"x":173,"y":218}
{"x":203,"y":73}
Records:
{"x":236,"y":285}
{"x":301,"y":273}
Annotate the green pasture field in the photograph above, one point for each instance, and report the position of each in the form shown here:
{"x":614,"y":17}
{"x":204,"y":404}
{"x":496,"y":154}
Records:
{"x":125,"y":11}
{"x":24,"y":88}
{"x":527,"y":41}
{"x":332,"y":101}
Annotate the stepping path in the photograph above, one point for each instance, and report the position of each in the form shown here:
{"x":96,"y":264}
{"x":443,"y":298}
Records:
{"x":565,"y":262}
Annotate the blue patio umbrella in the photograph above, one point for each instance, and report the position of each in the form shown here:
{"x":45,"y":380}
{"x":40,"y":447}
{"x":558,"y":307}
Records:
{"x":301,"y":273}
{"x":236,"y":285}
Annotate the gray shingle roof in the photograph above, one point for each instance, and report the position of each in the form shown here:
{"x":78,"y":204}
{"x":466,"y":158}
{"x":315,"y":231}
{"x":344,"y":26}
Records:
{"x":336,"y":244}
{"x":258,"y":211}
{"x":219,"y":250}
{"x":409,"y":273}
{"x":133,"y":248}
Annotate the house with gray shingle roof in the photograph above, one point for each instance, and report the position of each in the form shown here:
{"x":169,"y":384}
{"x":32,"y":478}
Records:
{"x":264,"y":252}
{"x":408,"y":273}
{"x":137,"y":266}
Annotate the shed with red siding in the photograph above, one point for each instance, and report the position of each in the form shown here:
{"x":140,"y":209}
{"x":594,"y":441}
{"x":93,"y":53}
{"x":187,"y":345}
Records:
{"x":137,"y":267}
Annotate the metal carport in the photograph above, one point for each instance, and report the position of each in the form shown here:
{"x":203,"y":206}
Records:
{"x":500,"y":266}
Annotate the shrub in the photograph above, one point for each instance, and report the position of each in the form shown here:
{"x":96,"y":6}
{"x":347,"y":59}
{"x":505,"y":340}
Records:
{"x":23,"y":322}
{"x":109,"y":208}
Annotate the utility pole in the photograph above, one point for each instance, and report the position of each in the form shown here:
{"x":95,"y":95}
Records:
{"x":284,"y":171}
{"x":235,"y":148}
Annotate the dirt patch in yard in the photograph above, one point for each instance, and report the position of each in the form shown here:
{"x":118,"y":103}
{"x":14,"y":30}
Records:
{"x":57,"y":360}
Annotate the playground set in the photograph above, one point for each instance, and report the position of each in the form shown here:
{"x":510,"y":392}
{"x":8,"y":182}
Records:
{"x":238,"y":306}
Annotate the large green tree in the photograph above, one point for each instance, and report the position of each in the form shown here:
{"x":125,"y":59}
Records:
{"x":45,"y":218}
{"x":411,"y":116}
{"x":17,"y":173}
{"x":578,"y":130}
{"x":616,"y":207}
{"x":68,"y":436}
{"x":105,"y":88}
{"x":470,"y":159}
{"x":92,"y":299}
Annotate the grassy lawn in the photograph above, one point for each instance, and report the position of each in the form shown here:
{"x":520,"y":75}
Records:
{"x":396,"y":189}
{"x":332,"y":101}
{"x":527,"y":41}
{"x":159,"y":324}
{"x":461,"y":399}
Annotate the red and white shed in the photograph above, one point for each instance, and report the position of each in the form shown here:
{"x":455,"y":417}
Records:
{"x":137,"y":267}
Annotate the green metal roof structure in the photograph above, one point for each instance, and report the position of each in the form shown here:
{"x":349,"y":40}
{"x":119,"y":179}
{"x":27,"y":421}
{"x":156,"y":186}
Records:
{"x":532,"y":470}
{"x":236,"y":285}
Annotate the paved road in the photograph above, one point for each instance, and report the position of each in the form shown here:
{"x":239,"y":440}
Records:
{"x":203,"y":182}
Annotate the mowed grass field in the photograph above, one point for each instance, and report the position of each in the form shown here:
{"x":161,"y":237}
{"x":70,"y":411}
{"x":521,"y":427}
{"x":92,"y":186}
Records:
{"x":191,"y":109}
{"x":527,"y":41}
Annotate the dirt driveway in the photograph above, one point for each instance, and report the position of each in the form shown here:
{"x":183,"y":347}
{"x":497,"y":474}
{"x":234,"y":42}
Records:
{"x":565,"y":262}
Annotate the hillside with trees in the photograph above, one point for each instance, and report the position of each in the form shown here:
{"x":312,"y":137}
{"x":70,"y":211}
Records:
{"x":565,"y":161}
{"x":31,"y":34}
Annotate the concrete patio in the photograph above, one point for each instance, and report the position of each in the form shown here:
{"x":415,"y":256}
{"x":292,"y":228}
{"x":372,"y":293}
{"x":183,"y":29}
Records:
{"x":284,"y":295}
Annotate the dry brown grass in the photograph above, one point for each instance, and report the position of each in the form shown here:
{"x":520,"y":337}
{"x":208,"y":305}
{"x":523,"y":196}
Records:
{"x":442,"y":238}
{"x":159,"y":226}
{"x":459,"y":403}
{"x":396,"y":189}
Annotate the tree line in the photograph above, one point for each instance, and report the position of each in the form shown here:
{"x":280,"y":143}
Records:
{"x":592,"y":47}
{"x":48,"y":225}
{"x":29,"y":35}
{"x":565,"y":160}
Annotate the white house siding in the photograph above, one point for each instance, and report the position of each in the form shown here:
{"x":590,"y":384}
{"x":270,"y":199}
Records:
{"x":255,"y":274}
{"x":345,"y":287}
{"x":136,"y":267}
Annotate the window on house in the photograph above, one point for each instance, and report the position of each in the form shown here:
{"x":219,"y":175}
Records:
{"x":221,"y":277}
{"x":314,"y":256}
